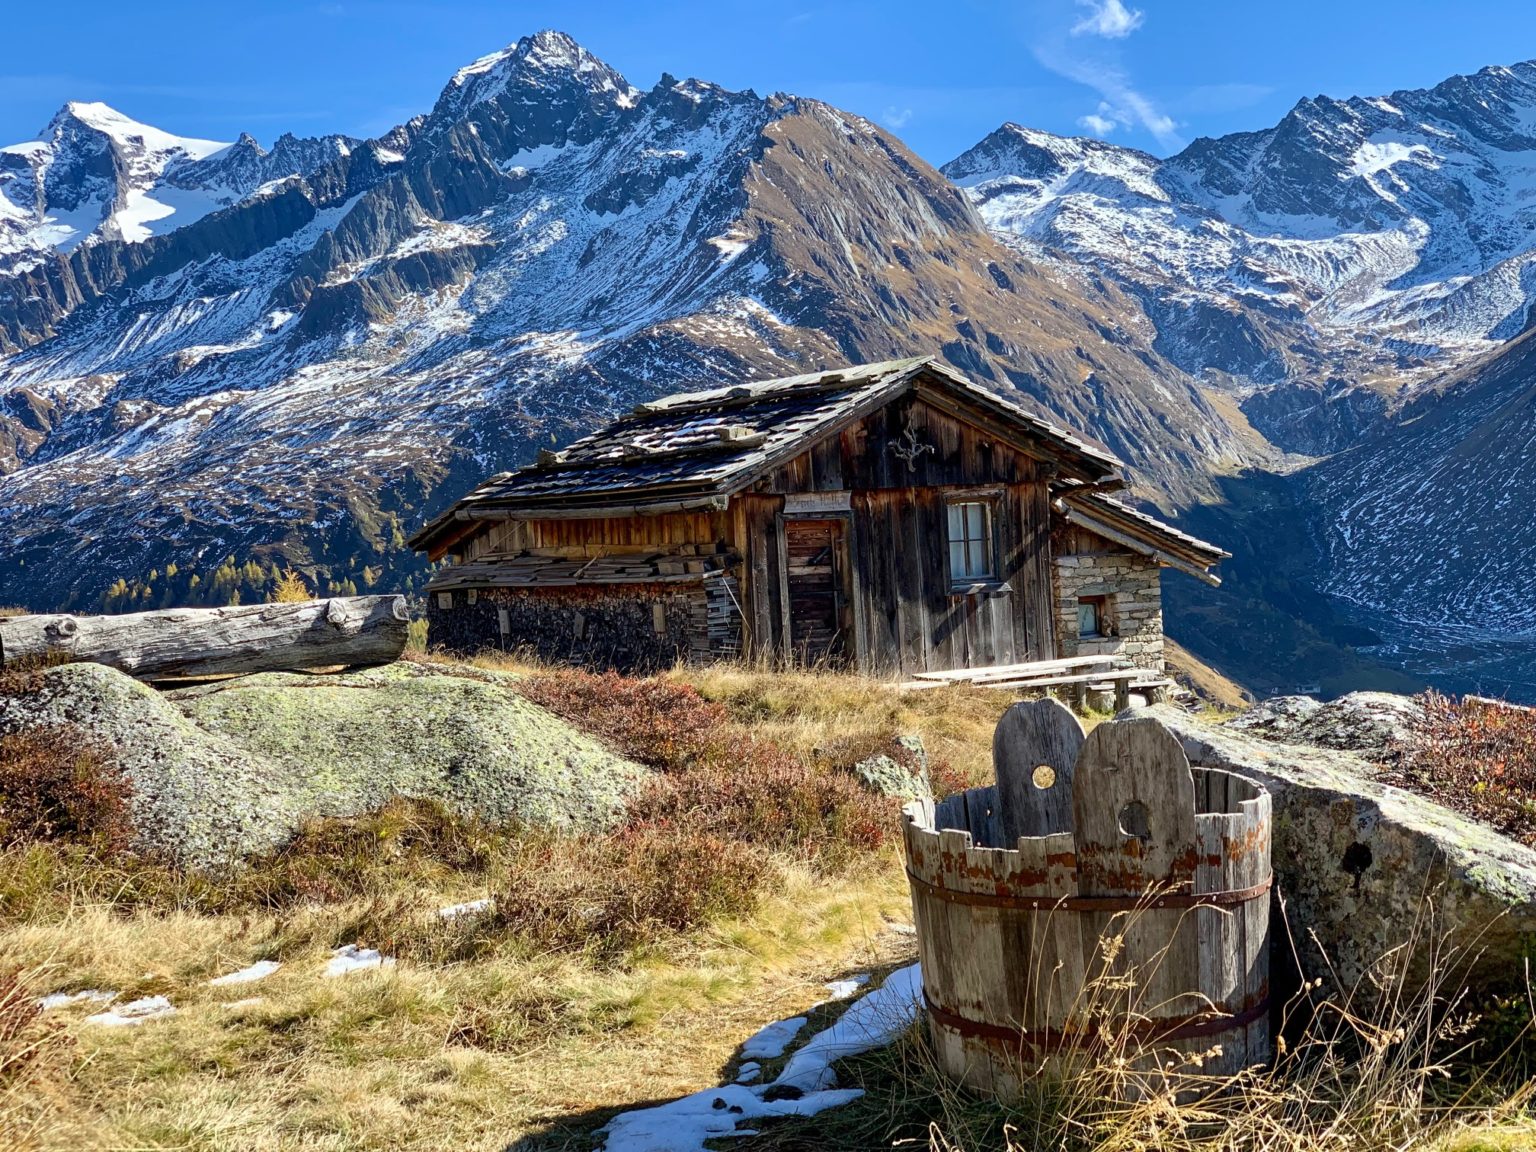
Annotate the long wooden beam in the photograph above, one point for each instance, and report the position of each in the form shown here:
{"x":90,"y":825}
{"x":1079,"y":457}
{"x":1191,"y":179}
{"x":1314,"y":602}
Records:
{"x":192,"y":642}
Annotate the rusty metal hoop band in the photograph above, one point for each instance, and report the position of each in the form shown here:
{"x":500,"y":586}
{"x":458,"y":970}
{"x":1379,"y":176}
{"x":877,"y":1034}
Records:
{"x":1222,"y":899}
{"x":1161,"y":1029}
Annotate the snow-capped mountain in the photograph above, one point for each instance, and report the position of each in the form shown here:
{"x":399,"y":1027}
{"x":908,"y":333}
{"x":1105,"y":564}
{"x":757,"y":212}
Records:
{"x":311,"y":369}
{"x":95,"y":174}
{"x":1358,"y":247}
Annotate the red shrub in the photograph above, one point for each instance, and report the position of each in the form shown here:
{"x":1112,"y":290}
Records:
{"x":24,"y":1036}
{"x":1478,"y":758}
{"x":611,"y":893}
{"x":653,"y":721}
{"x":768,"y":798}
{"x":56,"y":785}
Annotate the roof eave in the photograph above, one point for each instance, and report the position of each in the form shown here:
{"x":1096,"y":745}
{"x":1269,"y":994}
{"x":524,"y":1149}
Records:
{"x":1165,"y":549}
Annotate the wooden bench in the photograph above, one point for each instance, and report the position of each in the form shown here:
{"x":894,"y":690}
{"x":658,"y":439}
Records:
{"x":1006,"y":671}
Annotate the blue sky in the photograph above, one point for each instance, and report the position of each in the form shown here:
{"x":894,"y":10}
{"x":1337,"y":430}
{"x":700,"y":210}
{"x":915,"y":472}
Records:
{"x":1153,"y":74}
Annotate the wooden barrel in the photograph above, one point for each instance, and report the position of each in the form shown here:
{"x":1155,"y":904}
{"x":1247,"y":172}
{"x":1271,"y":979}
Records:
{"x":1144,"y":924}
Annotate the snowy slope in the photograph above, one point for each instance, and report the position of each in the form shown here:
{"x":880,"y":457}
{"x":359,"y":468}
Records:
{"x":313,"y":369}
{"x":95,"y":174}
{"x":1365,"y":238}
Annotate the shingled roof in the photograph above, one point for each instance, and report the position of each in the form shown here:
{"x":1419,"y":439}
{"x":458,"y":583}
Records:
{"x":1136,"y":530}
{"x":696,"y":449}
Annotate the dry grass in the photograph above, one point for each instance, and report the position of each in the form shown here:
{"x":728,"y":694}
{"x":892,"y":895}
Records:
{"x":834,"y":713}
{"x":1411,"y":1071}
{"x":611,"y":968}
{"x":424,"y":1055}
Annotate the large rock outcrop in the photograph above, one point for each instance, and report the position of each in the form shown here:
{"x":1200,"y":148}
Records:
{"x":1371,"y":875}
{"x":226,"y":769}
{"x":1373,"y":725}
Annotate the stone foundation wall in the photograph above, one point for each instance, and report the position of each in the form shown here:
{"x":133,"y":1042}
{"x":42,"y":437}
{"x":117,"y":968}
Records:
{"x":592,"y":627}
{"x":1131,"y":586}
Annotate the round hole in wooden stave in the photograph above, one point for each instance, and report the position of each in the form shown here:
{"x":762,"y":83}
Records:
{"x":1133,"y":821}
{"x":1043,"y":777}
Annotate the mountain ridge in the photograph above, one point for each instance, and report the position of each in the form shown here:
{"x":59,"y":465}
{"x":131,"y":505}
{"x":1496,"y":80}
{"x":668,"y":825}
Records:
{"x":304,"y":372}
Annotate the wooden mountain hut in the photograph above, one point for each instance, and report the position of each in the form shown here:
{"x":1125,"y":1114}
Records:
{"x":895,"y":518}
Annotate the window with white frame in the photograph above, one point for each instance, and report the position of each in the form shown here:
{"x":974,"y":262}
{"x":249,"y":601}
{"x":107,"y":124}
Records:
{"x":970,"y":542}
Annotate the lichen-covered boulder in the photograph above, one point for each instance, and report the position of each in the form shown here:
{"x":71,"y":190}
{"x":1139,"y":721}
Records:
{"x":1371,"y":873}
{"x":225,"y":769}
{"x":1373,"y":725}
{"x":904,"y":775}
{"x":197,"y":796}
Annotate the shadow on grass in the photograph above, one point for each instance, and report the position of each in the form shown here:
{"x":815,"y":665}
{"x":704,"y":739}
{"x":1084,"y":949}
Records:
{"x":865,"y":1123}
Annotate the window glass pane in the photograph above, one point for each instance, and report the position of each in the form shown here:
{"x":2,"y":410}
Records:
{"x":1087,"y":618}
{"x":970,"y":543}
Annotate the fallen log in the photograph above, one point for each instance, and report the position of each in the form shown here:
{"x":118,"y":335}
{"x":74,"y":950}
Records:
{"x":191,"y":642}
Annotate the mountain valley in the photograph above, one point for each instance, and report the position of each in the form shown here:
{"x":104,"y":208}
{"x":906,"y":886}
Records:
{"x":1309,"y":343}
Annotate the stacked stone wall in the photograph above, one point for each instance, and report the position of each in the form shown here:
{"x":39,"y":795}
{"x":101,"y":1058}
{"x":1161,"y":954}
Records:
{"x":1131,"y":586}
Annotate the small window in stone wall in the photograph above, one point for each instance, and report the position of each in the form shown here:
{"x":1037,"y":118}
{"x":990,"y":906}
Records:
{"x":1092,"y":617}
{"x":445,"y":600}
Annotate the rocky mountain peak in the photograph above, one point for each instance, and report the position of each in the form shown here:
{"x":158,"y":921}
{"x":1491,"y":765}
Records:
{"x":78,"y":117}
{"x":1032,"y":154}
{"x":536,"y":66}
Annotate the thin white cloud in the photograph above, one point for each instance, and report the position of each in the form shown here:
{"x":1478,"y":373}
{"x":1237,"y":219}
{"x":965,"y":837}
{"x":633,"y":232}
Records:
{"x":1098,"y":125}
{"x":1110,"y":19}
{"x":896,"y":117}
{"x":1120,"y":100}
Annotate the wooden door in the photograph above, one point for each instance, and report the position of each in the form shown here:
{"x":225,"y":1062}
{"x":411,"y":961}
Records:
{"x":816,"y":568}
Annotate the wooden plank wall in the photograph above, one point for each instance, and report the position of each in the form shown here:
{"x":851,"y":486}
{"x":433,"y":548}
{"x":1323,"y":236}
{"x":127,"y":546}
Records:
{"x":608,"y":535}
{"x":910,"y":619}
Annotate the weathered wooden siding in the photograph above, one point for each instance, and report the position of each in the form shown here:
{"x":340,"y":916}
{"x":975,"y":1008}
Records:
{"x":756,"y":538}
{"x":650,"y":533}
{"x":894,"y":472}
{"x":912,"y":618}
{"x":907,"y":618}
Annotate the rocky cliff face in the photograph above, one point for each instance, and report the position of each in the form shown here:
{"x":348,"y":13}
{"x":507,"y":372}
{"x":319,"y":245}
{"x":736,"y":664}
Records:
{"x":315,"y":367}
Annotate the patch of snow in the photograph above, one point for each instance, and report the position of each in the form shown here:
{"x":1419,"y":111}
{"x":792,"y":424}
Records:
{"x":748,"y":1072}
{"x":769,"y":1041}
{"x":257,"y":971}
{"x":1377,"y":156}
{"x":729,"y":246}
{"x":470,"y":908}
{"x":113,"y":123}
{"x":842,"y":989}
{"x":685,"y":1124}
{"x":871,"y":1022}
{"x":532,"y":159}
{"x":133,"y":1013}
{"x":351,"y":958}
